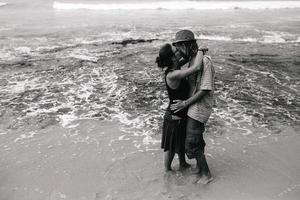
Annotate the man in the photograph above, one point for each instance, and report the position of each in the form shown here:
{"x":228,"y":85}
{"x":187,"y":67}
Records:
{"x":200,"y":102}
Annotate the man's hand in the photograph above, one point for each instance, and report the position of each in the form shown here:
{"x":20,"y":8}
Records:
{"x":178,"y":105}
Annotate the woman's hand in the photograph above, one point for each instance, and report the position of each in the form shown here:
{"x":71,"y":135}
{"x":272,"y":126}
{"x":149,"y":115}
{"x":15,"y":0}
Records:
{"x":196,"y":62}
{"x":178,"y":105}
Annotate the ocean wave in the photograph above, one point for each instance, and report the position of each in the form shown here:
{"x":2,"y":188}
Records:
{"x":73,"y":45}
{"x":269,"y":37}
{"x":2,"y":4}
{"x":214,"y":37}
{"x":180,"y":5}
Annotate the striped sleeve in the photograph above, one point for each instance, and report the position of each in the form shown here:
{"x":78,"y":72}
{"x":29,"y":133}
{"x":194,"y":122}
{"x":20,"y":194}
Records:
{"x":207,"y":75}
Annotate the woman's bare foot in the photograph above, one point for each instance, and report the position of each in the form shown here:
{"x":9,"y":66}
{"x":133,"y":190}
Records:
{"x":168,"y":170}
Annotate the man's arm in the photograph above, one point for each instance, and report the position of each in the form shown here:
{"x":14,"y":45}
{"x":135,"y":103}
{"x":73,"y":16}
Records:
{"x":196,"y":97}
{"x":179,"y":104}
{"x":203,"y":89}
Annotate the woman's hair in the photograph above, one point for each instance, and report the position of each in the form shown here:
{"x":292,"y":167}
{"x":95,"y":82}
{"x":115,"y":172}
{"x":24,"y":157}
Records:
{"x":165,"y":56}
{"x":194,"y":48}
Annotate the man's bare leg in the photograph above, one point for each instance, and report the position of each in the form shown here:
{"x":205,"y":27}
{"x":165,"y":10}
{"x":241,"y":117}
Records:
{"x":204,"y":174}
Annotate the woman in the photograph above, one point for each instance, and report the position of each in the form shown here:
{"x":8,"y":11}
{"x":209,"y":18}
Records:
{"x":174,"y":126}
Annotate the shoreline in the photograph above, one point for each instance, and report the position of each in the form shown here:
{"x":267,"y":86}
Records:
{"x":96,"y":160}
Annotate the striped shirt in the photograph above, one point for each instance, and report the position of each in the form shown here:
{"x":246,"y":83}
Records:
{"x":202,"y":109}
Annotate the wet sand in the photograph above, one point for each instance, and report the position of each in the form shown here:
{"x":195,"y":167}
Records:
{"x":96,"y":160}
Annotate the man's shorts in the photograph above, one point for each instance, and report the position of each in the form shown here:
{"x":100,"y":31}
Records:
{"x":194,"y":142}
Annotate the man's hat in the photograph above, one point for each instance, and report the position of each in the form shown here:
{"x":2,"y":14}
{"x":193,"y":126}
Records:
{"x":184,"y":36}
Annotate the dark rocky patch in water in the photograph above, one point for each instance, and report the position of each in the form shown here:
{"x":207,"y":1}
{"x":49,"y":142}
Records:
{"x":133,"y":41}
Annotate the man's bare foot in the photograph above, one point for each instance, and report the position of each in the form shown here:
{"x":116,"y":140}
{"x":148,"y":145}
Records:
{"x":184,"y":166}
{"x":205,"y":179}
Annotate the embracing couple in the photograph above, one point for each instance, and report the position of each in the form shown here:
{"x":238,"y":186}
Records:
{"x":190,"y":92}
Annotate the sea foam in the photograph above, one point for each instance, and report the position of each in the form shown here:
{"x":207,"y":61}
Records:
{"x":267,"y":37}
{"x":180,"y":5}
{"x":2,"y":4}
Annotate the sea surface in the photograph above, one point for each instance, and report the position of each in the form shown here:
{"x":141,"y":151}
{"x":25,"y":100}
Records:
{"x":62,"y":61}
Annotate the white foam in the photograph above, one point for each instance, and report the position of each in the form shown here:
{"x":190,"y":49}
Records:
{"x":18,"y":87}
{"x":180,"y":5}
{"x":5,"y":28}
{"x":6,"y":55}
{"x":67,"y":119}
{"x":248,"y":39}
{"x":84,"y":57}
{"x":149,"y":140}
{"x":26,"y":136}
{"x":122,"y":137}
{"x":23,"y":50}
{"x":3,"y":133}
{"x":214,"y":37}
{"x":47,"y":48}
{"x":268,"y":37}
{"x":2,"y":4}
{"x":279,"y":37}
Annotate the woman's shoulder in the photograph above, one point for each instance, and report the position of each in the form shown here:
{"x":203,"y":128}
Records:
{"x":168,"y":71}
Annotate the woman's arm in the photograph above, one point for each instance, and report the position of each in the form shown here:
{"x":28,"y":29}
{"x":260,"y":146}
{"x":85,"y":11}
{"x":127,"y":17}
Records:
{"x":195,"y":65}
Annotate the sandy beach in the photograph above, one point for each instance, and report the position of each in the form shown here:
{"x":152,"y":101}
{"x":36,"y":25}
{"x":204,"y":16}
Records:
{"x":97,"y":160}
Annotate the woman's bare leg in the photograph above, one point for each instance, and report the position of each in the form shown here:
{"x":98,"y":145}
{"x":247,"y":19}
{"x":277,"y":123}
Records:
{"x":169,"y":155}
{"x":182,"y":162}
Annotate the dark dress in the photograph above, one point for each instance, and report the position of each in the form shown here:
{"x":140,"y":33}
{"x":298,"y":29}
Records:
{"x":174,"y":131}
